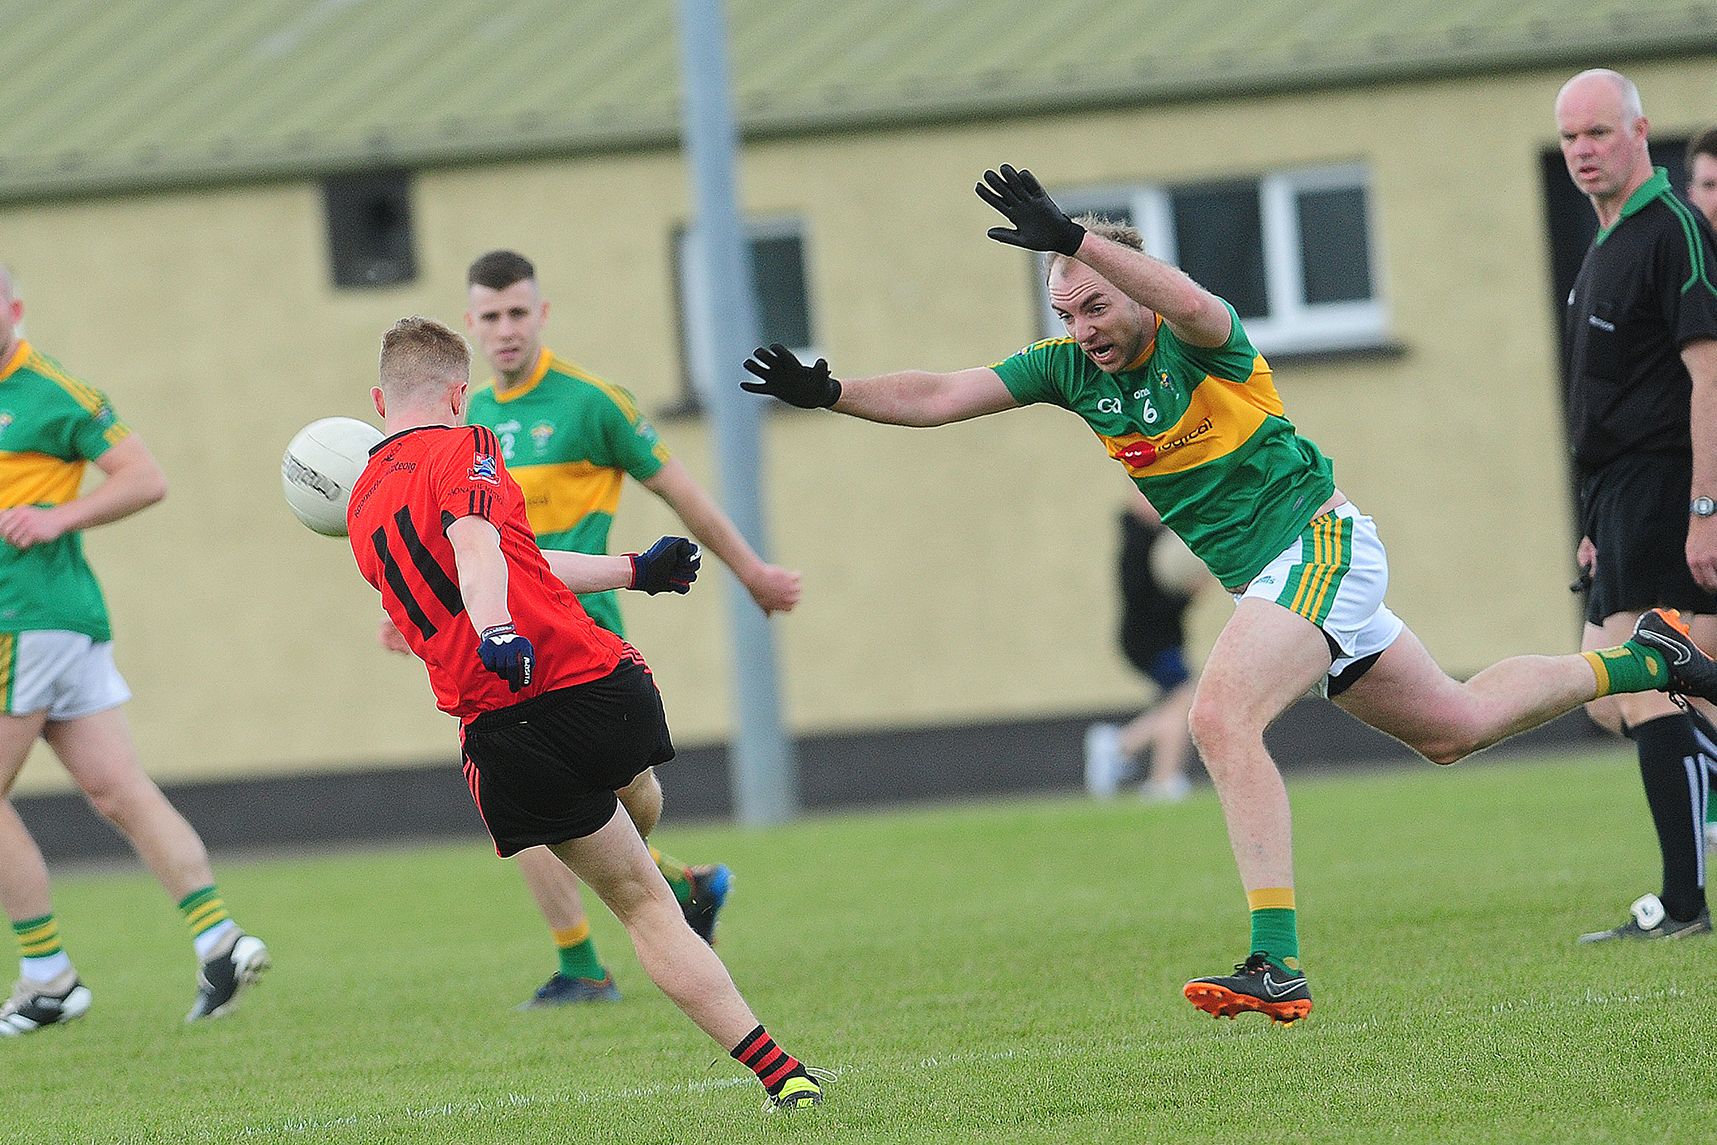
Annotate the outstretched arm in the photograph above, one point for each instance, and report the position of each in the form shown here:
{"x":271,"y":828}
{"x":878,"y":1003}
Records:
{"x":1195,"y":315}
{"x":910,"y":397}
{"x":133,"y":481}
{"x":775,"y":589}
{"x":669,"y":565}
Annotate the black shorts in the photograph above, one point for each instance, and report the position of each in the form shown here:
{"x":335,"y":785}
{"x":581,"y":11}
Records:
{"x":545,"y":770}
{"x":1635,"y":511}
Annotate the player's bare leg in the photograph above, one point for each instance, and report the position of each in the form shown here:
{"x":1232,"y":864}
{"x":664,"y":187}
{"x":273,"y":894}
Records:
{"x":24,"y":889}
{"x":98,"y":752}
{"x":48,"y":991}
{"x":1406,"y":695}
{"x":617,"y":866}
{"x":580,"y":975}
{"x":1266,"y":658}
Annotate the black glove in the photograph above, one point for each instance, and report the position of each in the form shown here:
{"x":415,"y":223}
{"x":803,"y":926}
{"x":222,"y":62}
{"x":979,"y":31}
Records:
{"x":1038,"y":224}
{"x":669,"y":565}
{"x":787,"y":378}
{"x":507,"y":654}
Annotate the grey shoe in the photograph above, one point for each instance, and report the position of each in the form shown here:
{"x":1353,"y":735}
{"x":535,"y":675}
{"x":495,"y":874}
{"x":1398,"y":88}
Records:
{"x":1648,"y":919}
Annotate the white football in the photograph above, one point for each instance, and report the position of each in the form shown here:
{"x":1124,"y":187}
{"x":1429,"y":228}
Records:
{"x":320,"y":467}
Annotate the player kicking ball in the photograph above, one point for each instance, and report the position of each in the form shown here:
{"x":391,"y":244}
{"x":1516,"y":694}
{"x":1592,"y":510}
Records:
{"x":557,"y":714}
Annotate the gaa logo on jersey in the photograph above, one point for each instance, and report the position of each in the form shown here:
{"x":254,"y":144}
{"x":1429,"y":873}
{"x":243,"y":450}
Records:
{"x":540,"y":434}
{"x":483,"y":469}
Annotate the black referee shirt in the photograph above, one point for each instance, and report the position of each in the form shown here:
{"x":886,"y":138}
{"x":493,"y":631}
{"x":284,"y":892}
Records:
{"x":1644,"y":292}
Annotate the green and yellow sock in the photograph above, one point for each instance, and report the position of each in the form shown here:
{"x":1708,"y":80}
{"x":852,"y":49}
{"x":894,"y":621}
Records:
{"x":41,"y":958}
{"x":675,"y":872}
{"x":577,"y":952}
{"x":208,"y":919}
{"x":1275,"y":927}
{"x":1628,"y":667}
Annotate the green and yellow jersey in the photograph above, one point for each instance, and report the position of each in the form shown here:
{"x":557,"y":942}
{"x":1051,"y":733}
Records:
{"x":51,"y":426}
{"x":569,"y":439}
{"x":1202,"y":433}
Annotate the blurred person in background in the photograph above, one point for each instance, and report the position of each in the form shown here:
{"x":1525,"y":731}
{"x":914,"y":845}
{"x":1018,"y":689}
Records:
{"x":1159,"y":578}
{"x":60,"y":685}
{"x":1641,"y":370}
{"x":1163,"y":373}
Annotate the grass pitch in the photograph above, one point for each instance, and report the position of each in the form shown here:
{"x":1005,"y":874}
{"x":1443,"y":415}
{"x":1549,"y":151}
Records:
{"x":999,"y":973}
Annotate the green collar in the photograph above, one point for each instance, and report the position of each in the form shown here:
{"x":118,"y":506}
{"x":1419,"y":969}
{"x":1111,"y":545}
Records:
{"x":1657,"y":185}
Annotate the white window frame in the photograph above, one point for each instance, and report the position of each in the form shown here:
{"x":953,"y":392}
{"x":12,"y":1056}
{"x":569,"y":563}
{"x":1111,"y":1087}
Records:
{"x":698,"y":319}
{"x":1293,"y":325}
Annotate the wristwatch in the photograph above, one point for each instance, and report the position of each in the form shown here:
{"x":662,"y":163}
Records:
{"x":1703,"y":507}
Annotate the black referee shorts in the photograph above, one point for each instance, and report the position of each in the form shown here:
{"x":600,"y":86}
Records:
{"x":545,"y":770}
{"x":1635,"y":511}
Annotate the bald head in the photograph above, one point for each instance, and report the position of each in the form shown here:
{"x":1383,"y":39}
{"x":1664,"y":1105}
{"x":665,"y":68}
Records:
{"x":1604,"y":86}
{"x":1603,"y":133}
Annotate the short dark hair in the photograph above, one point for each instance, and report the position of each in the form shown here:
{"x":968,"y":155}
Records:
{"x":499,"y":269}
{"x":1705,"y":143}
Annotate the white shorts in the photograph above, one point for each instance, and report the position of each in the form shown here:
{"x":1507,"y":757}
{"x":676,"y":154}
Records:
{"x":1335,"y":576}
{"x":66,"y":674}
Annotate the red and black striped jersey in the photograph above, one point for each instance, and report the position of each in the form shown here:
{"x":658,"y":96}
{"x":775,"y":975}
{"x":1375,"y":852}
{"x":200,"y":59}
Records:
{"x":416,"y":484}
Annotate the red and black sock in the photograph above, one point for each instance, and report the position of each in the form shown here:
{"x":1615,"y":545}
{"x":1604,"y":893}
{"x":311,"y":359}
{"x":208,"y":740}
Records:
{"x":773,"y":1065}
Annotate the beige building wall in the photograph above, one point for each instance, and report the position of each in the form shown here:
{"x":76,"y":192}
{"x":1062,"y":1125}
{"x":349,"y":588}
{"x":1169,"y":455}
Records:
{"x":952,"y":575}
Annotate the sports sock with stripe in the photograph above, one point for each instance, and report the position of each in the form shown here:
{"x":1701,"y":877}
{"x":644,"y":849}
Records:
{"x":208,"y":919}
{"x":1671,"y":769}
{"x":40,"y":956}
{"x":577,"y":951}
{"x":773,"y":1065}
{"x":1275,"y":926}
{"x":675,"y":872}
{"x":1628,"y":667}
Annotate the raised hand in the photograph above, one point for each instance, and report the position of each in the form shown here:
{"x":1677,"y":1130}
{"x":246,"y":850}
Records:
{"x":785,"y":377}
{"x":1038,"y":224}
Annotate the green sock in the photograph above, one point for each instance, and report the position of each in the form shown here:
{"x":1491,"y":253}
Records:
{"x":1628,"y":667}
{"x":1275,"y":927}
{"x":577,"y":952}
{"x":675,"y":872}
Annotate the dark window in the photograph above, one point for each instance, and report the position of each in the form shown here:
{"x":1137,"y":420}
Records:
{"x":1335,"y":257}
{"x":369,"y":229}
{"x":778,"y":266}
{"x":783,"y":306}
{"x":1220,"y":232}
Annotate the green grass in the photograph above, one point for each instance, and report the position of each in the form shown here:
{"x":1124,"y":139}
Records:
{"x":999,"y":973}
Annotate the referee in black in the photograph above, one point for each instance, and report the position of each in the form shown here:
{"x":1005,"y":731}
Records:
{"x":1641,"y":367}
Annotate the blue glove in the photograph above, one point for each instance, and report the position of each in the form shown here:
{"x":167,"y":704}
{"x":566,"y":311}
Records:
{"x":669,"y":565}
{"x":508,"y":655}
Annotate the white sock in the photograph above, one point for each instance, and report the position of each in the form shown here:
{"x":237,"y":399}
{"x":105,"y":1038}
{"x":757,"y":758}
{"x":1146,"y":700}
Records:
{"x":210,"y":939}
{"x":44,"y":969}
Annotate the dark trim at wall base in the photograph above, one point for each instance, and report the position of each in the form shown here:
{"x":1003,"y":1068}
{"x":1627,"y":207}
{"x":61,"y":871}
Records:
{"x":836,"y":772}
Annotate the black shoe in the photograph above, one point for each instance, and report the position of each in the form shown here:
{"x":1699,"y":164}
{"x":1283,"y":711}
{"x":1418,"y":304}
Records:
{"x":563,"y":991}
{"x":710,"y":887}
{"x":1648,"y":919}
{"x":1257,"y":986}
{"x":239,"y":965}
{"x":37,"y":1004}
{"x":1691,"y":671}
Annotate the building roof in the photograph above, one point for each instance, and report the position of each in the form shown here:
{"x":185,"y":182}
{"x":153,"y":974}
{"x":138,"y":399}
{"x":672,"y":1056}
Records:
{"x":105,"y":95}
